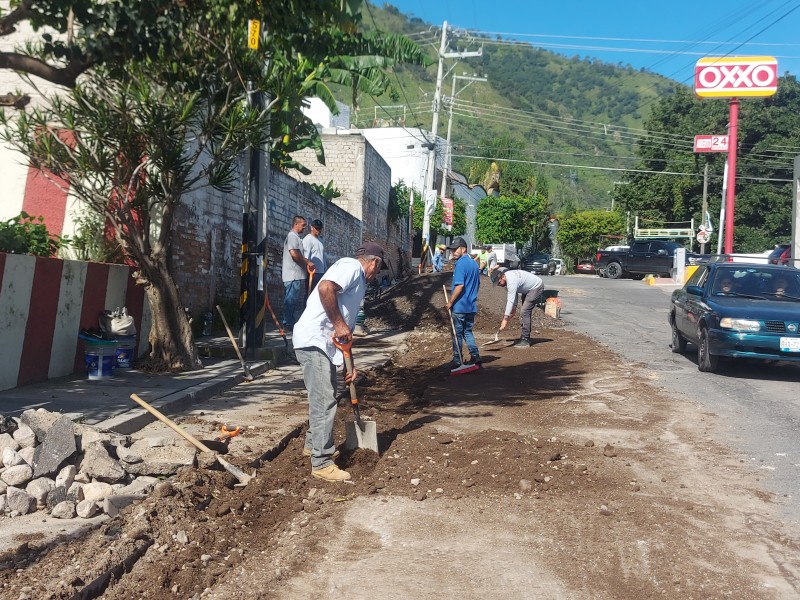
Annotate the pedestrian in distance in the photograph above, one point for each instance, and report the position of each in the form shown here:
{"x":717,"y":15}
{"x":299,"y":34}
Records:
{"x":314,"y":250}
{"x":331,"y":313}
{"x":529,"y":287}
{"x":491,"y":261}
{"x":294,"y":270}
{"x":438,"y":258}
{"x":481,"y":258}
{"x":463,"y":302}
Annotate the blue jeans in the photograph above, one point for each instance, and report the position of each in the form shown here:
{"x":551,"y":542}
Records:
{"x":319,"y":376}
{"x":292,"y":292}
{"x":463,"y":323}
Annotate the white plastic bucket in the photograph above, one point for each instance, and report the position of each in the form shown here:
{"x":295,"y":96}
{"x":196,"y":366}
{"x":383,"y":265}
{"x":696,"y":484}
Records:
{"x":100,"y":358}
{"x":125,"y":351}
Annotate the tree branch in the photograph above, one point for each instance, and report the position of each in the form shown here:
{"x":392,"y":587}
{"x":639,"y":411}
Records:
{"x":65,"y":76}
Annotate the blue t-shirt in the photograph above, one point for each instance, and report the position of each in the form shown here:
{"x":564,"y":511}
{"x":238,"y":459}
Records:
{"x":466,"y":273}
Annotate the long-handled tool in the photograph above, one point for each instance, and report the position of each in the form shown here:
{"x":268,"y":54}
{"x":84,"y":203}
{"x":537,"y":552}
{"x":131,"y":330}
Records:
{"x":365,"y":434}
{"x":493,"y":341}
{"x":311,"y":270}
{"x":240,"y":475}
{"x":247,"y":375}
{"x":275,"y":319}
{"x":462,"y":368}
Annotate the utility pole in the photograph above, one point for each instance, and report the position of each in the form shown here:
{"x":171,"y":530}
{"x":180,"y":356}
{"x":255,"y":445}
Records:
{"x":430,"y":179}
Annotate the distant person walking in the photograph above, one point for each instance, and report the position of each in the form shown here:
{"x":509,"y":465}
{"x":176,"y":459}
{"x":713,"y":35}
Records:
{"x":491,"y":261}
{"x":331,"y":313}
{"x":294,"y":271}
{"x":314,"y":250}
{"x":463,"y":302}
{"x":527,"y":285}
{"x":438,"y":258}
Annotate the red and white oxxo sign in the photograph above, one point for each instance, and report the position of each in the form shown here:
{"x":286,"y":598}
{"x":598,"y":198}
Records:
{"x":732,"y":77}
{"x":711,"y":143}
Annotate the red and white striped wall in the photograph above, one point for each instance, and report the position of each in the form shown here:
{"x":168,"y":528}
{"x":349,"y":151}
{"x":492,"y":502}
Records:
{"x":45,"y":302}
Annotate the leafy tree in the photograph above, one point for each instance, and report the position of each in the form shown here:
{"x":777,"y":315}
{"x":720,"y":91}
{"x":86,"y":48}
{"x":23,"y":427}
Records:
{"x":579,"y":233}
{"x":762,"y":214}
{"x":512,"y":220}
{"x":133,"y":142}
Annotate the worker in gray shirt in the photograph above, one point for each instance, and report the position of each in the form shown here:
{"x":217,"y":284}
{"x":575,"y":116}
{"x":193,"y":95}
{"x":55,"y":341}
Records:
{"x":314,"y":250}
{"x":295,"y":270}
{"x":530,"y":287}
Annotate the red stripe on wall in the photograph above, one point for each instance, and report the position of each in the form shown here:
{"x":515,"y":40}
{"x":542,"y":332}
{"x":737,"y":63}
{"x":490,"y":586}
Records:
{"x":37,"y":345}
{"x":94,"y":300}
{"x":44,"y":198}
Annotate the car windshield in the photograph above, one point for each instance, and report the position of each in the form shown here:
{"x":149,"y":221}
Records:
{"x":753,"y":282}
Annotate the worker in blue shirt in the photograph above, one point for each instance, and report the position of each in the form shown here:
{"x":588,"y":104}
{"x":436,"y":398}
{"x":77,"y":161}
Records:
{"x":463,"y":301}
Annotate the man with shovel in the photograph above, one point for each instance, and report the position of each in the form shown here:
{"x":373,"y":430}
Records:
{"x":530,"y":287}
{"x":331,"y":313}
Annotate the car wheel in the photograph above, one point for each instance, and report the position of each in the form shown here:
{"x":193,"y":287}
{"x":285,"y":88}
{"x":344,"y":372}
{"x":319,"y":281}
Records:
{"x":706,"y":362}
{"x":678,"y":341}
{"x":614,"y":270}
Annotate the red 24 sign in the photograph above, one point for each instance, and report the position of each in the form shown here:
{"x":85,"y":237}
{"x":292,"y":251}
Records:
{"x":732,"y":77}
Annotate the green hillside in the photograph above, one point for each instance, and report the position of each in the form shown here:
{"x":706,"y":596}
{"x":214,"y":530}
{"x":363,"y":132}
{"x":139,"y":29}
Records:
{"x":555,"y":109}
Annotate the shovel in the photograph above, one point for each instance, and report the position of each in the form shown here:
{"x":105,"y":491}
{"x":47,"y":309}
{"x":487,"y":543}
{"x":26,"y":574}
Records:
{"x":247,"y":375}
{"x":360,"y":433}
{"x":240,"y":475}
{"x":494,"y":341}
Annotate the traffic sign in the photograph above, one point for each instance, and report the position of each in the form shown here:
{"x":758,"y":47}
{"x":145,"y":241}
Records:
{"x":703,"y":236}
{"x":711,"y":143}
{"x":734,"y":77}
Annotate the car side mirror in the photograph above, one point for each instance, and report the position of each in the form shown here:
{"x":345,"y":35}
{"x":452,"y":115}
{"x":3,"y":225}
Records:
{"x":694,"y":290}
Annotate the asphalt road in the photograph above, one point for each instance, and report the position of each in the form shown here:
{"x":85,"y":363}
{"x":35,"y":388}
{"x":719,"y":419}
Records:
{"x":758,"y":404}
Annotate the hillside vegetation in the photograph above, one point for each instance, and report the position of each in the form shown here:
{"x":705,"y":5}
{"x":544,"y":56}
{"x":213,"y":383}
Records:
{"x":558,"y":110}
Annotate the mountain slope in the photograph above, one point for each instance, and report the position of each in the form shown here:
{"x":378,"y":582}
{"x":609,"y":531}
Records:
{"x":558,"y":110}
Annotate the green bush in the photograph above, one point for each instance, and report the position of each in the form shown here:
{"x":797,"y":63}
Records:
{"x":24,"y":234}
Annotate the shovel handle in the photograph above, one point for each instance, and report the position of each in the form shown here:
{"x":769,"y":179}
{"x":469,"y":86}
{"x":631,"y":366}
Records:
{"x":171,"y":424}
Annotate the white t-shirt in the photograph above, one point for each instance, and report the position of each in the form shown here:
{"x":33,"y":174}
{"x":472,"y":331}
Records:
{"x":314,"y":329}
{"x":314,"y":250}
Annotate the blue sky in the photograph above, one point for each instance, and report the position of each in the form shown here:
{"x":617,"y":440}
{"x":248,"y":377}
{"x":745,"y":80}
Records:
{"x":682,"y":31}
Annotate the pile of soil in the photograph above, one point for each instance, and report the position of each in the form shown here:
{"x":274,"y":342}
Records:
{"x":560,"y":459}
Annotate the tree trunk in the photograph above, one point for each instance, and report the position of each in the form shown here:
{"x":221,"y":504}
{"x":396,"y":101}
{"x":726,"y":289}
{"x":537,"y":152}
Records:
{"x":171,"y":339}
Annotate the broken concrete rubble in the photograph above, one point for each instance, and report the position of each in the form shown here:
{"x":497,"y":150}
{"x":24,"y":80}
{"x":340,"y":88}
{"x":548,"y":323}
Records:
{"x":73,"y":470}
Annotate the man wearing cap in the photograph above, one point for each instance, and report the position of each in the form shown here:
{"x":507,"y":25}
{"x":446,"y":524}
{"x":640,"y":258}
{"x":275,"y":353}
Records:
{"x":294,"y":271}
{"x":438,"y":258}
{"x":314,"y":250}
{"x":463,"y":301}
{"x":330,"y":313}
{"x":530,"y":287}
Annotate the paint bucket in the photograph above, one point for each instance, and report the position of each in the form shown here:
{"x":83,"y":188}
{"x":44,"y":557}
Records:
{"x":125,"y":352}
{"x":100,"y":357}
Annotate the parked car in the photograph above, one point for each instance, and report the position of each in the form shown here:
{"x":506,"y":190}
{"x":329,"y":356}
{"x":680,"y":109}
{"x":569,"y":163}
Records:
{"x":780,"y":255}
{"x":585,"y":266}
{"x":643,"y":257}
{"x":738,"y":311}
{"x":540,"y":263}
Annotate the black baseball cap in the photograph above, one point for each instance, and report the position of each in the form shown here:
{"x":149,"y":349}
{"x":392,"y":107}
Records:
{"x":496,"y":275}
{"x":458,"y":242}
{"x":316,"y":224}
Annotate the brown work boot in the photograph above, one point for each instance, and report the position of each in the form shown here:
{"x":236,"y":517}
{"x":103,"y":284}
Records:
{"x":330,"y":473}
{"x":307,"y":452}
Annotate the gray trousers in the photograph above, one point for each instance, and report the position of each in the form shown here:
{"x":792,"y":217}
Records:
{"x":529,"y":301}
{"x":319,"y":376}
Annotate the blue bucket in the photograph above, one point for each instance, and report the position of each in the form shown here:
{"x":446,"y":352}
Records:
{"x":100,"y":358}
{"x":125,"y":352}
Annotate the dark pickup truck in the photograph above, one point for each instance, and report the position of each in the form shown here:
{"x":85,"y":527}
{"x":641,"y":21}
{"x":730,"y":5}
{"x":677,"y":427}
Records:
{"x":644,"y":257}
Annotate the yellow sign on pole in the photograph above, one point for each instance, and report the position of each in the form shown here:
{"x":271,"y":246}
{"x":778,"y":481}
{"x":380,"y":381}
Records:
{"x":253,"y":31}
